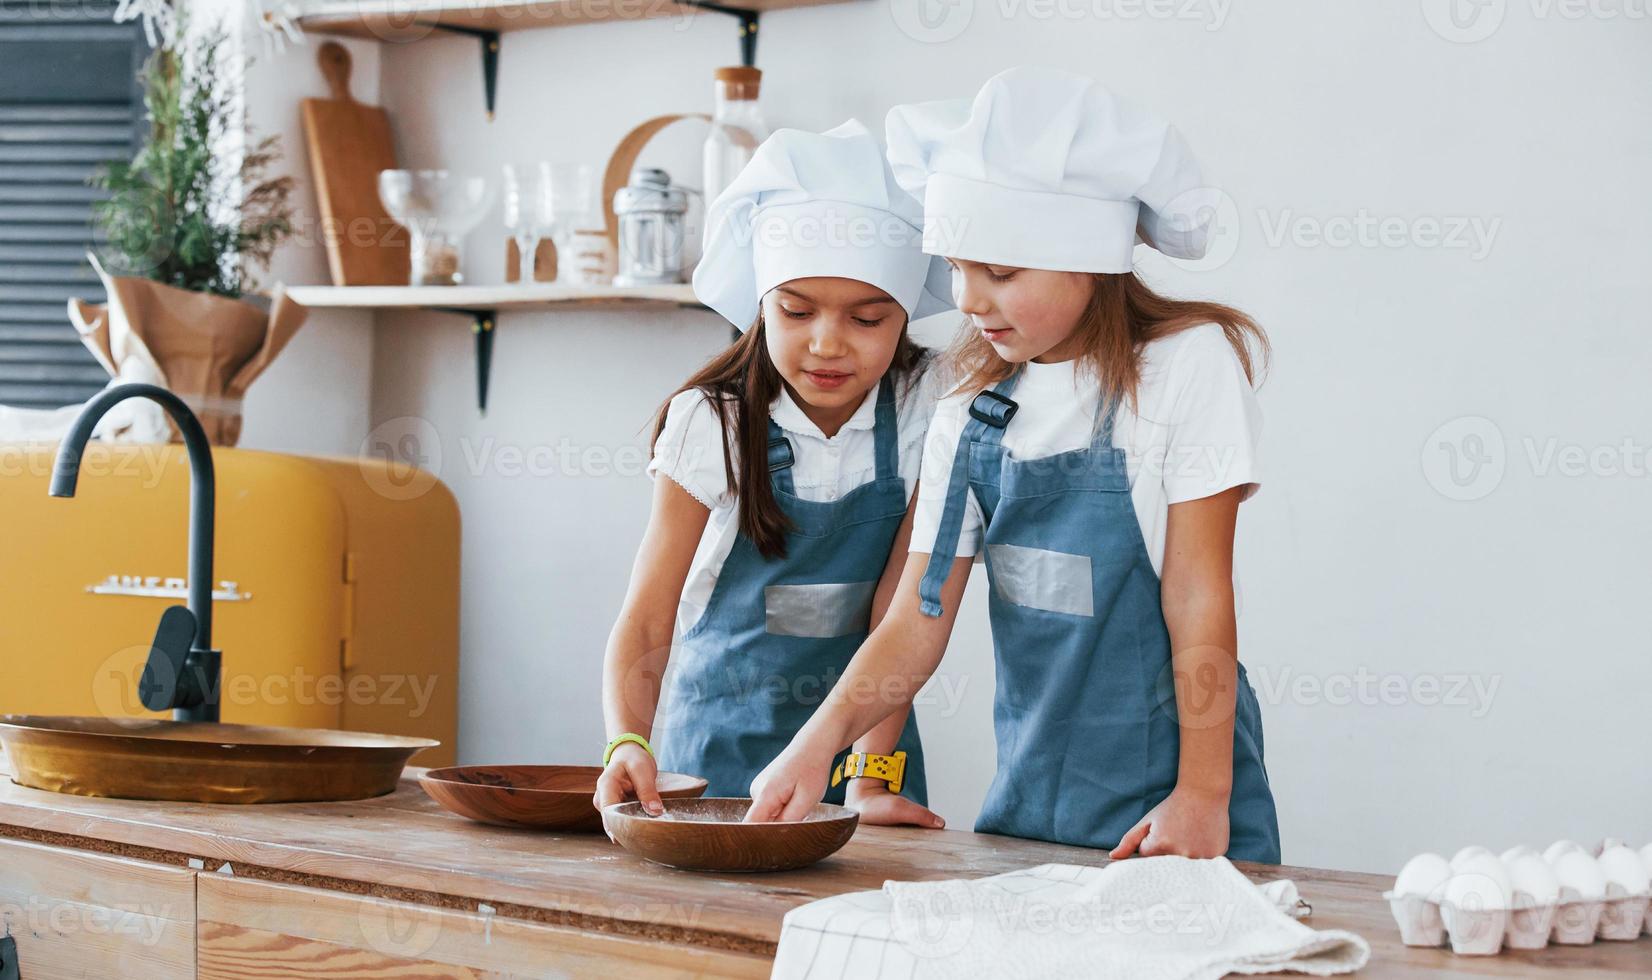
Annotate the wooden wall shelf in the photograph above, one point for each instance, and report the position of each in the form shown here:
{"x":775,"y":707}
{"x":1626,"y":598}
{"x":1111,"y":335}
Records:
{"x":405,"y":21}
{"x":498,"y":297}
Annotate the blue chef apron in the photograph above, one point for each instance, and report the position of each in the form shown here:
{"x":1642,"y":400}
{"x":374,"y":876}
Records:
{"x":776,"y":635}
{"x":1085,"y":710}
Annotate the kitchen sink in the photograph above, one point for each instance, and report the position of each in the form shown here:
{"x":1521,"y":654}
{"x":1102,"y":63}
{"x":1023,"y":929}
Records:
{"x":201,"y":762}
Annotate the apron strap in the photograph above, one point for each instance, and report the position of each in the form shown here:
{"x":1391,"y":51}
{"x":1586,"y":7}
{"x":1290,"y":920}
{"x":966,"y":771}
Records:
{"x":781,"y":459}
{"x":989,"y":413}
{"x":886,"y":433}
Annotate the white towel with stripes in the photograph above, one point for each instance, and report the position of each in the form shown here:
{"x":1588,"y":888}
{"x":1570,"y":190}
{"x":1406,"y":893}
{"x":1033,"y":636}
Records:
{"x":1158,"y":918}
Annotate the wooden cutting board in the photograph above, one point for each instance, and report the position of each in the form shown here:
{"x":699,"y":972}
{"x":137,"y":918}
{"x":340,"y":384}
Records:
{"x":349,"y":144}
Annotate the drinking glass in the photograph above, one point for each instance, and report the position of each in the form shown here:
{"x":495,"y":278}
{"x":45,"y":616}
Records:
{"x":527,"y":206}
{"x":572,"y":198}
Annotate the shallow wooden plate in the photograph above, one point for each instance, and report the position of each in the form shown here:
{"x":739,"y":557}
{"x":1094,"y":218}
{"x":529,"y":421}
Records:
{"x":542,"y":797}
{"x":708,"y":835}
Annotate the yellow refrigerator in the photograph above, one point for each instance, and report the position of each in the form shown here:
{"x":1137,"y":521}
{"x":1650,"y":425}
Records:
{"x":336,"y":603}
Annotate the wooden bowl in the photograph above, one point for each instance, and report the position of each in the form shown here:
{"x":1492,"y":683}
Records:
{"x":708,"y":835}
{"x":542,"y":797}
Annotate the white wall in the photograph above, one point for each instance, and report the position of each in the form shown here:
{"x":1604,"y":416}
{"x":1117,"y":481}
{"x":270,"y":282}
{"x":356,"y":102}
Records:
{"x":316,"y":398}
{"x":1355,"y":567}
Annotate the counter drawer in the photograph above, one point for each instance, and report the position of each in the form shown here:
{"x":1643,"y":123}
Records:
{"x":272,"y":931}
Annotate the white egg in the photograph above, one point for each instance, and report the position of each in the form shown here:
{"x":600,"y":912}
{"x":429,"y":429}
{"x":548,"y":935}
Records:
{"x":1480,"y":885}
{"x":1560,"y":847}
{"x":1467,"y":854}
{"x":1622,"y":867}
{"x":1646,"y":858}
{"x":1532,"y":875}
{"x":1516,"y":851}
{"x":1422,"y":875}
{"x":1581,"y":873}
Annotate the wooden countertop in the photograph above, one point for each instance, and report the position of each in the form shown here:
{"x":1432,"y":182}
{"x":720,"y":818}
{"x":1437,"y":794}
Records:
{"x":404,"y":846}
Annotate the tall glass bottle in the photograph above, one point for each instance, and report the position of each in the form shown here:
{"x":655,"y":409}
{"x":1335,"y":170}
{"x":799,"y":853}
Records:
{"x":736,"y":128}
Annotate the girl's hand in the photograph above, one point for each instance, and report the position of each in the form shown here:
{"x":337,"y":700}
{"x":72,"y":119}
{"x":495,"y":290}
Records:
{"x":789,"y":787}
{"x":631,"y":774}
{"x":1189,"y":823}
{"x":877,"y":805}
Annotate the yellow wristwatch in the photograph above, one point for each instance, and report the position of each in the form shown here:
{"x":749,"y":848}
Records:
{"x":864,"y":765}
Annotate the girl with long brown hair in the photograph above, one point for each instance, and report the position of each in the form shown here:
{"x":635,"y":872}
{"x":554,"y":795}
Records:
{"x":789,"y":464}
{"x":1095,"y":453}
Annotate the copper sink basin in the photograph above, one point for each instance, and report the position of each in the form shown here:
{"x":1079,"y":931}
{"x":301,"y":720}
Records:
{"x":201,"y":762}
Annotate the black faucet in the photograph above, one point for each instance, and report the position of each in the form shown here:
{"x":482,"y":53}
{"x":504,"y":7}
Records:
{"x":182,"y":672}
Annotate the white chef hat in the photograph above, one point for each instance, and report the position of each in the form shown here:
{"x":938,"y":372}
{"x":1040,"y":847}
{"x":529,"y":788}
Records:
{"x":1046,"y":169}
{"x":817,"y":204}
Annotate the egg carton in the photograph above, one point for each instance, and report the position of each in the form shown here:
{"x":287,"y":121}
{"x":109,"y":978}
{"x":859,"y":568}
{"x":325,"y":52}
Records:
{"x":1433,"y":920}
{"x":1572,"y":921}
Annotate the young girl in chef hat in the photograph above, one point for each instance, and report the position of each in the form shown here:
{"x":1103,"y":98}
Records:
{"x":1096,"y":451}
{"x":791,"y":460}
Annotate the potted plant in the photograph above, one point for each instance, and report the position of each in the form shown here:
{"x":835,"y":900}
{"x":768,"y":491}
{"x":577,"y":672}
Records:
{"x":185,"y":221}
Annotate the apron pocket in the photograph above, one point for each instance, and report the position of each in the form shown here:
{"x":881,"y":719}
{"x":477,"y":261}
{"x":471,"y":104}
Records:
{"x":818,"y":611}
{"x":1053,"y":581}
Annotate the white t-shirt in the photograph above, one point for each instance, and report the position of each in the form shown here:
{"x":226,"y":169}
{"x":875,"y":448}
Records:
{"x":1195,"y":433}
{"x":690,"y":452}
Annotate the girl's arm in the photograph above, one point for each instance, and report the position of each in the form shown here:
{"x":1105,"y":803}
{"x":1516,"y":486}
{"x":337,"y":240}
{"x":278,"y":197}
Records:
{"x":640,"y":645}
{"x":1197,"y":595}
{"x":894,"y":662}
{"x":871,"y":797}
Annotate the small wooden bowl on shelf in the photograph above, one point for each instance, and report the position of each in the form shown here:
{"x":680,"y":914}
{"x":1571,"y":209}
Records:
{"x":709,"y":835}
{"x":540,"y":797}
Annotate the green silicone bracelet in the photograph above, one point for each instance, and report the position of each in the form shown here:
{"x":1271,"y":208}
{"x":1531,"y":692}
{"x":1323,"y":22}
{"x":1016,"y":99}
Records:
{"x":620,"y":740}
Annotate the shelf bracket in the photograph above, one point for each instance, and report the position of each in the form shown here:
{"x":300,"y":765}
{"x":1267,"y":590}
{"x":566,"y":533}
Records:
{"x":490,"y":59}
{"x":483,"y":323}
{"x":748,"y":26}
